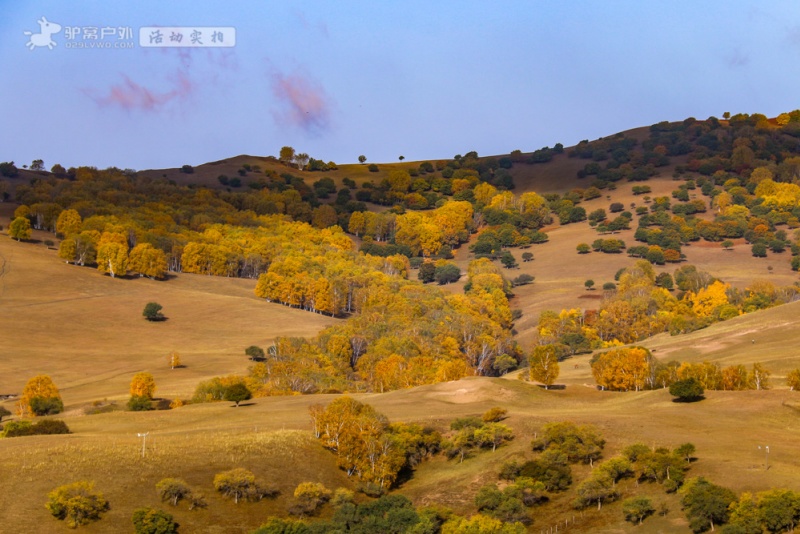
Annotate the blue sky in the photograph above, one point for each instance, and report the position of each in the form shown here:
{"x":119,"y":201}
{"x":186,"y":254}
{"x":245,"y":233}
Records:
{"x":417,"y":78}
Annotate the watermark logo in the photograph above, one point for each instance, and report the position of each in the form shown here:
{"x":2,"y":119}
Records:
{"x":44,"y":37}
{"x":187,"y":37}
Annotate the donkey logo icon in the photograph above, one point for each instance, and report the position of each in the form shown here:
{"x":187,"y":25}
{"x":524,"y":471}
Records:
{"x":43,"y":38}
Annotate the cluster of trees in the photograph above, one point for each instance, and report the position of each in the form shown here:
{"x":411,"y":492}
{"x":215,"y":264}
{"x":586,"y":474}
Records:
{"x":390,"y":513}
{"x":635,"y":369}
{"x":367,"y":446}
{"x":641,"y":305}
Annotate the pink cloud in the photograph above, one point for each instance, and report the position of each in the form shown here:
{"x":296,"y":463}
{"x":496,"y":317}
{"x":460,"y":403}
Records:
{"x":303,"y":103}
{"x":130,"y":95}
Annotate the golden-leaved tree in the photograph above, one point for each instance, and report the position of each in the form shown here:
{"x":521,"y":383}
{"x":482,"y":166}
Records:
{"x":39,"y":391}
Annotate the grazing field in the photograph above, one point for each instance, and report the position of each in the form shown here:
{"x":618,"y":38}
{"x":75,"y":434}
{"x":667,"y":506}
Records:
{"x":86,"y":330}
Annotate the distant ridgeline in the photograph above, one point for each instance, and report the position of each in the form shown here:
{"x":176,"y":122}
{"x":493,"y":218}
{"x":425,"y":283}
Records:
{"x":272,"y":226}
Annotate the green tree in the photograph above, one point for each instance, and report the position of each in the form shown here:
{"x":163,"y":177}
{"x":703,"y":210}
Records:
{"x":779,"y":509}
{"x":237,"y":393}
{"x":493,"y":435}
{"x":20,"y":229}
{"x":255,"y":353}
{"x":76,"y":504}
{"x":688,"y":390}
{"x":153,"y":521}
{"x":589,"y":284}
{"x":727,"y":244}
{"x":362,"y":158}
{"x":636,"y":509}
{"x":508,"y":260}
{"x":152,"y":312}
{"x":686,"y":451}
{"x":705,"y":504}
{"x":427,"y":272}
{"x":447,"y":273}
{"x":583,"y":248}
{"x":598,"y":489}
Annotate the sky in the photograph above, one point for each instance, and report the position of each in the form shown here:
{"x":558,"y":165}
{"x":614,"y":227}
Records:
{"x":336,"y":80}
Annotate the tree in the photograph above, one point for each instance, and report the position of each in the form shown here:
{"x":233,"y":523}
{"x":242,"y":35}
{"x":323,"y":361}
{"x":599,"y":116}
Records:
{"x":153,"y":521}
{"x":793,"y":380}
{"x":543,"y":363}
{"x":20,"y":229}
{"x":76,"y":504}
{"x":112,"y":258}
{"x":727,"y":244}
{"x":68,"y":223}
{"x":493,"y":434}
{"x":173,"y":490}
{"x":143,"y":385}
{"x":362,"y":159}
{"x":686,"y":451}
{"x":636,"y":509}
{"x":705,"y":504}
{"x":598,"y":488}
{"x":174,"y":359}
{"x":688,"y":390}
{"x":589,"y":284}
{"x":310,"y":496}
{"x":447,"y":273}
{"x":255,"y":353}
{"x":148,"y":261}
{"x":286,"y":154}
{"x":583,"y":248}
{"x":39,"y":393}
{"x":152,"y":312}
{"x":237,"y":393}
{"x":427,"y":272}
{"x":237,"y":484}
{"x":508,"y":260}
{"x":301,"y":160}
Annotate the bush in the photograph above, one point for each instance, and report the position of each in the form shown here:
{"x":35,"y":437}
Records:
{"x":372,"y":167}
{"x":493,"y":415}
{"x":15,"y":429}
{"x":50,"y":426}
{"x":76,"y":504}
{"x":46,"y":405}
{"x":140,"y":403}
{"x":153,"y":521}
{"x":152,"y":312}
{"x":187,"y":169}
{"x":688,"y":390}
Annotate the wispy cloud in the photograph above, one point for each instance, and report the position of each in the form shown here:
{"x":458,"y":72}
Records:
{"x":302,"y":102}
{"x":130,"y":95}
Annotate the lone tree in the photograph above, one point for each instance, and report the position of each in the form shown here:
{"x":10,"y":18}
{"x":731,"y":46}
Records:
{"x":173,"y":490}
{"x":589,"y":284}
{"x":143,"y":386}
{"x":152,"y":312}
{"x":237,"y":393}
{"x":688,"y":390}
{"x":76,"y":504}
{"x":362,"y":158}
{"x":174,"y":359}
{"x":20,"y":229}
{"x":255,"y":353}
{"x":40,"y":396}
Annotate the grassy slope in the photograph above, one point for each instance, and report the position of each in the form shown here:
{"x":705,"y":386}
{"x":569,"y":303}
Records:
{"x":86,"y":331}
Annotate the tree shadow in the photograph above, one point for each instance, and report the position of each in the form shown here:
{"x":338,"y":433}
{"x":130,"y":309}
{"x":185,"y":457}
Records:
{"x":557,"y":387}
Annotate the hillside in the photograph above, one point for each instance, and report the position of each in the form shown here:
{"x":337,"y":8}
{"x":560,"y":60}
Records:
{"x":346,"y":321}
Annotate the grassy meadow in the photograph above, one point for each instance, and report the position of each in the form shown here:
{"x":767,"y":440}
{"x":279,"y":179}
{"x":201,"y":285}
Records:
{"x":87,"y":332}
